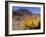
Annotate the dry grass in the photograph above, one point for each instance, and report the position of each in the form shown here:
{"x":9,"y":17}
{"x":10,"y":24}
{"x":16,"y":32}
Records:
{"x":26,"y":23}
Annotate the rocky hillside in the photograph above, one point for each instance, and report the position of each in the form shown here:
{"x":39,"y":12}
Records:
{"x":22,"y":12}
{"x":24,"y":19}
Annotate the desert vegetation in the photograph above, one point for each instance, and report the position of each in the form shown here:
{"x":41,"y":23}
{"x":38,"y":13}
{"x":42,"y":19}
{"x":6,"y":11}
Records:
{"x":23,"y":19}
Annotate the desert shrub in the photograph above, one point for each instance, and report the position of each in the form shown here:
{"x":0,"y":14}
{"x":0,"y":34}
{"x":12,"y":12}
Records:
{"x":30,"y":23}
{"x":17,"y":17}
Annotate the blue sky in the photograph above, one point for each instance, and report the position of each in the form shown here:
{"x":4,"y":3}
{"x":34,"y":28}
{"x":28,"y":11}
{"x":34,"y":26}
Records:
{"x":35,"y":10}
